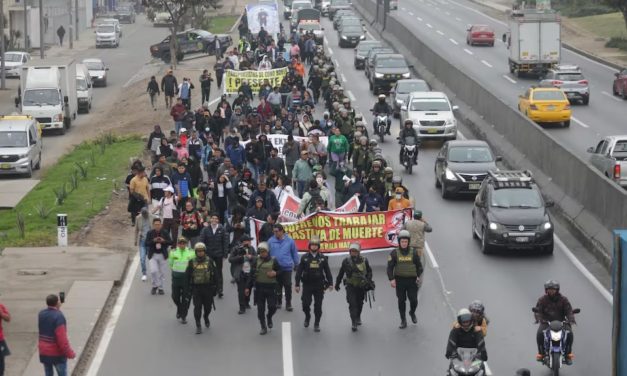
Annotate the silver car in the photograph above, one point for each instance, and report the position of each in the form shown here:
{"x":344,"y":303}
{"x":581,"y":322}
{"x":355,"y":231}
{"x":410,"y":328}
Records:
{"x":401,"y":90}
{"x":610,"y":158}
{"x":570,"y":79}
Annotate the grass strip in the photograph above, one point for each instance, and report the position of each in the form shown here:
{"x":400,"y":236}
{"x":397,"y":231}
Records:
{"x":221,"y":24}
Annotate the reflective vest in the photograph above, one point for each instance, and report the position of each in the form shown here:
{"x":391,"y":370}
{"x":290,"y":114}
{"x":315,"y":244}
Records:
{"x":179,"y":259}
{"x":202,"y":271}
{"x":358,"y":276}
{"x":405,"y":266}
{"x":263,"y":267}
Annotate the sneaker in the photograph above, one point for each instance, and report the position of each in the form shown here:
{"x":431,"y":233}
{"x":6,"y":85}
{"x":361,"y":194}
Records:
{"x":178,"y":316}
{"x":354,"y":326}
{"x":220,"y":295}
{"x":539,"y":357}
{"x":161,"y":292}
{"x":248,"y":306}
{"x":263,"y":331}
{"x":198,"y":330}
{"x":306,"y":323}
{"x":241,"y":311}
{"x":358,"y":322}
{"x":183,"y":320}
{"x":403,"y":324}
{"x":270,"y":324}
{"x":153,"y":291}
{"x":207,"y":323}
{"x":144,"y":278}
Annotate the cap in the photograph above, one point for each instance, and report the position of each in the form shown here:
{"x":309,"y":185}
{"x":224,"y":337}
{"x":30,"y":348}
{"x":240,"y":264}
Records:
{"x":183,"y":130}
{"x":417,"y":214}
{"x":399,"y":190}
{"x":169,"y":188}
{"x":259,"y":198}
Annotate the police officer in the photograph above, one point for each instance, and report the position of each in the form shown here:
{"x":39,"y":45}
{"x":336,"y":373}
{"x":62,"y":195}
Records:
{"x":263,"y":278}
{"x":417,"y":228}
{"x":179,"y":260}
{"x":404,"y":270}
{"x":315,"y":273}
{"x":358,"y":282}
{"x":241,"y":259}
{"x":202,"y":277}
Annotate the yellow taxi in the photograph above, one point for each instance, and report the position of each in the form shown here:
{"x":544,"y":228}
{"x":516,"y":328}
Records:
{"x":545,"y":105}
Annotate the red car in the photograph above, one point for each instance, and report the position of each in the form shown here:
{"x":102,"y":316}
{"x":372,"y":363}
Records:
{"x":620,"y":84}
{"x":480,"y":34}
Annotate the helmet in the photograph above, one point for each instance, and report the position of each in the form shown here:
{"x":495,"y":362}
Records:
{"x":476,"y":307}
{"x":358,"y":135}
{"x":262,"y":245}
{"x":343,"y":111}
{"x":397,"y":179}
{"x":381,"y":96}
{"x":552,"y":284}
{"x":362,"y":139}
{"x":359,"y":123}
{"x":181,"y":239}
{"x":404,"y":234}
{"x":388,"y":170}
{"x":315,"y":240}
{"x":376,"y":163}
{"x":373,"y":142}
{"x":408,"y":121}
{"x":354,"y":247}
{"x":464,"y":316}
{"x":417,"y":214}
{"x":346,"y":100}
{"x":199,"y":246}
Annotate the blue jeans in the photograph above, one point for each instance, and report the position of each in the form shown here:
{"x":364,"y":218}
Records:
{"x":254,"y":170}
{"x":300,"y":187}
{"x":142,"y":255}
{"x":60,"y":367}
{"x":177,"y":126}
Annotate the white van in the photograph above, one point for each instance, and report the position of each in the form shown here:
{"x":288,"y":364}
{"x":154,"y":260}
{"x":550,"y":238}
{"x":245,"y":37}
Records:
{"x":116,"y":23}
{"x":20,"y":145}
{"x":107,"y":35}
{"x":84,"y":91}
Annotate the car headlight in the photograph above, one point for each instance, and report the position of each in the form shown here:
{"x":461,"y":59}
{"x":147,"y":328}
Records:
{"x":547,"y":226}
{"x":22,"y":156}
{"x":362,"y":37}
{"x":450,"y":121}
{"x":449,"y":174}
{"x":399,"y":102}
{"x":493,"y":226}
{"x":406,"y":75}
{"x":57,"y":117}
{"x":344,"y":37}
{"x":378,"y":75}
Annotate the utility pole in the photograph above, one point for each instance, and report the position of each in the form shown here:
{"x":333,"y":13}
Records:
{"x":71,"y":24}
{"x":3,"y":84}
{"x":76,"y":15}
{"x":41,"y":28}
{"x":25,"y":26}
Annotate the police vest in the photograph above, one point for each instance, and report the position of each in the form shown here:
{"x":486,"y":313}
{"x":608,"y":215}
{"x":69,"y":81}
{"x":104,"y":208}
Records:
{"x":358,"y":274}
{"x":263,"y":267}
{"x":180,"y":259}
{"x":313,"y":273}
{"x":202,"y":272}
{"x":405,"y":266}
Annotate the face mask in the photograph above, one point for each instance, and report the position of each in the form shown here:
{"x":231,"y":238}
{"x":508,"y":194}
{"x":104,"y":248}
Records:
{"x":353,"y":180}
{"x":319,"y":181}
{"x":398,"y":196}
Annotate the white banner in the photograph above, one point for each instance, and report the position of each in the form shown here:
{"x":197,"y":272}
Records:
{"x":263,"y":15}
{"x":278,"y":140}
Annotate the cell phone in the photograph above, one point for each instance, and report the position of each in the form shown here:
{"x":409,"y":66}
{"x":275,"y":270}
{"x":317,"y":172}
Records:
{"x":62,"y":296}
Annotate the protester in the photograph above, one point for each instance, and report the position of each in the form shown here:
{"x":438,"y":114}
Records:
{"x":54,"y":345}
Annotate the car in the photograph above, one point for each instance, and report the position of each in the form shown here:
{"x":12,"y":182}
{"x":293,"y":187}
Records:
{"x":106,"y":36}
{"x":480,"y":34}
{"x":13,"y":61}
{"x":336,"y":5}
{"x":370,"y":58}
{"x":510,"y":213}
{"x":20,"y":145}
{"x":401,"y":90}
{"x":190,"y":42}
{"x":350,"y":36}
{"x":313,"y":27}
{"x":386,"y":70}
{"x":350,"y":21}
{"x":545,"y":105}
{"x":432,"y":113}
{"x":97,"y":71}
{"x":362,"y":50}
{"x":287,"y":9}
{"x":393,"y":4}
{"x":570,"y":79}
{"x":619,"y":87}
{"x":125,"y":14}
{"x":340,"y":14}
{"x":84,"y":92}
{"x":162,"y":19}
{"x":114,"y":22}
{"x":462,"y":165}
{"x":610,"y":158}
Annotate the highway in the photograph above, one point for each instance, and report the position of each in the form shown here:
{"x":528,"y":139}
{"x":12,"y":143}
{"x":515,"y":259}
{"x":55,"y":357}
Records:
{"x":148,"y":340}
{"x":442,"y":24}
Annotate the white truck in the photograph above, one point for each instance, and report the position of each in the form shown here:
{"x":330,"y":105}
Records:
{"x":534,"y":41}
{"x":47,"y":92}
{"x":610,"y":157}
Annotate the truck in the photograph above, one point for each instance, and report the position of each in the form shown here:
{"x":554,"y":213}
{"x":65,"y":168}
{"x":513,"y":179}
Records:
{"x":47,"y":92}
{"x":610,"y":158}
{"x":534,"y":41}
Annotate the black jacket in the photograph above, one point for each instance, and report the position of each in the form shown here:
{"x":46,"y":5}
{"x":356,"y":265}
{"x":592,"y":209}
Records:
{"x":270,"y":202}
{"x":236,"y":258}
{"x":468,"y":339}
{"x":152,"y":244}
{"x":217,"y":244}
{"x":556,"y":308}
{"x":169,"y":85}
{"x":319,"y":277}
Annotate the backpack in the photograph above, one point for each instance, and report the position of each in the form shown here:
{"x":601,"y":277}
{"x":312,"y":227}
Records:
{"x":315,"y":196}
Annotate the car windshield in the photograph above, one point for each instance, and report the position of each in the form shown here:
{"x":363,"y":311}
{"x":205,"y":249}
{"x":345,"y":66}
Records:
{"x":81,"y":84}
{"x":481,"y":28}
{"x":93,"y":65}
{"x":469,"y":154}
{"x":352,"y":29}
{"x":350,"y":21}
{"x":408,"y":87}
{"x":570,"y":76}
{"x":391,"y":63}
{"x":12,"y":57}
{"x":309,"y":26}
{"x":42,"y":97}
{"x":548,"y":95}
{"x":123,"y":10}
{"x":365,"y":47}
{"x":429,"y":105}
{"x":516,"y":198}
{"x":11,"y":139}
{"x":105,"y":29}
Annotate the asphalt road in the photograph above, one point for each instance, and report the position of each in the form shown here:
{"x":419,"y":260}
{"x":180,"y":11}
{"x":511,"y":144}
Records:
{"x":442,"y":24}
{"x":148,"y":340}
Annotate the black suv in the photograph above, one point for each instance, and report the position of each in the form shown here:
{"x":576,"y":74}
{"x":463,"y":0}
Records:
{"x":370,"y":57}
{"x":386,"y":70}
{"x":362,"y":50}
{"x":190,"y":42}
{"x":510,"y":213}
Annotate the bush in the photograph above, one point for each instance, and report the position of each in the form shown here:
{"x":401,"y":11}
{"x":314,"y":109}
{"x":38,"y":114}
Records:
{"x":585,"y":10}
{"x":617,"y":42}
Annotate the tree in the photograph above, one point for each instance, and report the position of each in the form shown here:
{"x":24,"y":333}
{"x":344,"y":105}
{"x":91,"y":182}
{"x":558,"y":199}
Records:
{"x":620,"y":5}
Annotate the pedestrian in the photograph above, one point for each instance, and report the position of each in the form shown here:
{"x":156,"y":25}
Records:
{"x":358,"y":282}
{"x":46,"y":22}
{"x":4,"y":349}
{"x":283,"y":248}
{"x":241,"y":259}
{"x":313,"y":270}
{"x":54,"y":345}
{"x":302,"y":172}
{"x":167,"y":210}
{"x":143,"y":226}
{"x":153,"y":92}
{"x":404,"y":271}
{"x":185,"y":92}
{"x":139,"y":187}
{"x":417,"y":228}
{"x":202,"y":278}
{"x":178,"y":260}
{"x":61,"y":34}
{"x":178,"y":112}
{"x":264,"y":279}
{"x":217,"y":48}
{"x":191,"y":222}
{"x":205,"y":85}
{"x":215,"y":237}
{"x":219,"y":69}
{"x":158,"y":242}
{"x":169,"y":87}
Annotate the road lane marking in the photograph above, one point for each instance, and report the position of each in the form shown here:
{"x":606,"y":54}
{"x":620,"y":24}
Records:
{"x":288,"y":361}
{"x":419,"y":19}
{"x":439,"y":32}
{"x":325,"y":40}
{"x":343,"y":77}
{"x":429,"y":26}
{"x":508,"y":78}
{"x":448,"y":13}
{"x":579,"y":122}
{"x":488,"y":371}
{"x":446,"y":293}
{"x":479,"y":12}
{"x":403,"y":9}
{"x":611,"y":96}
{"x":468,"y":51}
{"x":411,"y":14}
{"x":336,"y":63}
{"x":460,"y":135}
{"x":350,"y":95}
{"x":486,"y":63}
{"x":453,"y":41}
{"x":107,"y":335}
{"x":214,"y":100}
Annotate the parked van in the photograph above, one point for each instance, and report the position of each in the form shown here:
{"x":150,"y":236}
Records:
{"x":84,"y":92}
{"x":20,"y":145}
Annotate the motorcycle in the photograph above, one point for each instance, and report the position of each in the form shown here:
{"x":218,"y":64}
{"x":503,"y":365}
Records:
{"x":409,"y":153}
{"x":555,"y":343}
{"x":380,"y":125}
{"x":467,"y":363}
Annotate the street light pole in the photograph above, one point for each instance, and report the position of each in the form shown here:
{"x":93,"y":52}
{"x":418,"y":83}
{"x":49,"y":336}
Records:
{"x":3,"y":84}
{"x":71,"y":24}
{"x":41,"y":28}
{"x":76,"y":15}
{"x":25,"y":26}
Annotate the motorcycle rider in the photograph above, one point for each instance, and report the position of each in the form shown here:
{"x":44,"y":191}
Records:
{"x":408,"y":131}
{"x":553,"y":306}
{"x":382,"y":107}
{"x":463,"y":335}
{"x":480,"y":321}
{"x":404,"y":271}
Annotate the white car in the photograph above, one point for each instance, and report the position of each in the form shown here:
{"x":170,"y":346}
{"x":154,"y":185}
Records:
{"x":432,"y":114}
{"x":162,"y":19}
{"x":97,"y":71}
{"x":13,"y":61}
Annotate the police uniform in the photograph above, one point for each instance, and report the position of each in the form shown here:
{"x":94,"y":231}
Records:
{"x":313,"y":270}
{"x":241,"y":269}
{"x":265,"y":286}
{"x":202,"y":277}
{"x":404,"y":267}
{"x":179,"y":260}
{"x":358,"y":281}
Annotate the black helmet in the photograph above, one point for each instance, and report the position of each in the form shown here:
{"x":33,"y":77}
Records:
{"x":476,"y":307}
{"x":551,"y":284}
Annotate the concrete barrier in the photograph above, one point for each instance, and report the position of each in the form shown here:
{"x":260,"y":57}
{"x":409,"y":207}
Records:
{"x":587,"y":199}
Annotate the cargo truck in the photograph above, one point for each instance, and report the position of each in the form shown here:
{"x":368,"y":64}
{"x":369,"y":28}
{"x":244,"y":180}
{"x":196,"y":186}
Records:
{"x":534,"y":41}
{"x":47,"y":92}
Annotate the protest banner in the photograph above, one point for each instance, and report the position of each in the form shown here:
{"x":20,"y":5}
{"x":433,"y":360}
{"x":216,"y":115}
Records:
{"x":263,"y":15}
{"x":233,"y":79}
{"x":289,"y":207}
{"x":278,"y":140}
{"x":374,"y":231}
